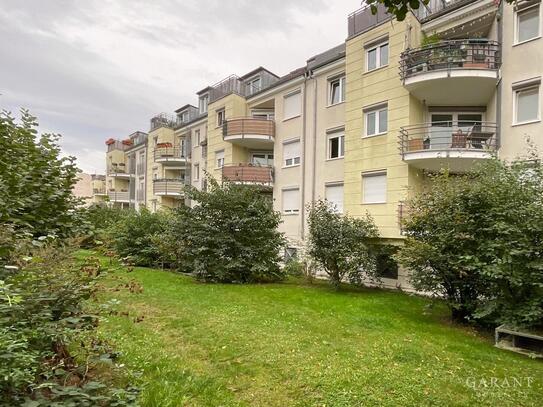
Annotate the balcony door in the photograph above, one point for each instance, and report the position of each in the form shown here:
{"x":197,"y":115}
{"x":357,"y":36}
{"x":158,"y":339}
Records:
{"x":445,"y":125}
{"x":262,"y":159}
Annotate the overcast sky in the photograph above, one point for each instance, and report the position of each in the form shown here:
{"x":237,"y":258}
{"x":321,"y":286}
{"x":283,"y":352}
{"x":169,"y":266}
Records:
{"x":91,"y":70}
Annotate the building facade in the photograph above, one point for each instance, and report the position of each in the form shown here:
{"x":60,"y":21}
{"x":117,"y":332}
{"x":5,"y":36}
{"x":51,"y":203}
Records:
{"x":361,"y":124}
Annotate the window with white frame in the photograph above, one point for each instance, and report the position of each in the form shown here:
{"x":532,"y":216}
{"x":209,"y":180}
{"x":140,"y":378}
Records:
{"x":334,"y":195}
{"x":528,"y":24}
{"x":291,"y":153}
{"x":291,"y":200}
{"x":337,"y":90}
{"x":202,"y":103}
{"x":336,"y":145}
{"x":376,"y":120}
{"x":377,"y":56}
{"x":183,"y":117}
{"x":221,"y":117}
{"x":196,"y":138}
{"x":526,"y":102}
{"x":219,"y":159}
{"x":253,"y":85}
{"x":292,"y":105}
{"x":196,"y":172}
{"x":374,"y":187}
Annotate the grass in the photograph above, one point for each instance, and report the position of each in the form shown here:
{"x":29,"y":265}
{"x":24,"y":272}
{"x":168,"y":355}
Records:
{"x":292,"y":344}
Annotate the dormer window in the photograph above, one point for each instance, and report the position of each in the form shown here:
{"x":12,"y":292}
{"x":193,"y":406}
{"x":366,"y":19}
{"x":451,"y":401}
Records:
{"x":253,"y":85}
{"x":202,"y":103}
{"x":183,"y":117}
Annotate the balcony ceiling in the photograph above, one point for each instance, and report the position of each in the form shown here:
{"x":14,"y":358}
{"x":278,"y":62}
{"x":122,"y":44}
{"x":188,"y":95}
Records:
{"x":253,"y":142}
{"x":454,"y":160}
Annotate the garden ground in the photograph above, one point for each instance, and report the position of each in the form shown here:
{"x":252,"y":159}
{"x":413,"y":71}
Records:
{"x":294,"y":344}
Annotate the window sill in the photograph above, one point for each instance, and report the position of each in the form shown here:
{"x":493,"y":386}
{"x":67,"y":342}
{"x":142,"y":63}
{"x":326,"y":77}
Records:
{"x":376,"y":135}
{"x":292,"y":117}
{"x":527,"y":122}
{"x":335,"y":104}
{"x":336,"y":158}
{"x":526,"y":41}
{"x":290,"y":166}
{"x":374,"y":203}
{"x":375,"y":69}
{"x":290,"y":213}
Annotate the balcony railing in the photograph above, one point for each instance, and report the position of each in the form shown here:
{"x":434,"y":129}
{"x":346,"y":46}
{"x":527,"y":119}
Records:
{"x":117,"y":169}
{"x":450,"y":55}
{"x":451,"y":135}
{"x":168,"y":186}
{"x":363,"y":19}
{"x":248,"y":173}
{"x":248,"y":126}
{"x":169,"y":154}
{"x":118,"y":196}
{"x":99,"y":191}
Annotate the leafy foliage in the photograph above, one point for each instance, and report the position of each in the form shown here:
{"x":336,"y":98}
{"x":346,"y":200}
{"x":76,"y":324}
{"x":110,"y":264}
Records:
{"x":35,"y":182}
{"x":229,"y":236}
{"x":341,"y":245}
{"x":476,"y":239}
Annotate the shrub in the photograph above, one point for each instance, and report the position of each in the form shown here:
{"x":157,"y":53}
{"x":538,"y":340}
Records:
{"x":341,"y":245}
{"x":229,"y":236}
{"x":475,"y":239}
{"x":294,"y":268}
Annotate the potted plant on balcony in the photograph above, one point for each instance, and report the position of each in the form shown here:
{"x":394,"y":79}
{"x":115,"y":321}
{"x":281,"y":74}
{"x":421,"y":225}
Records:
{"x":110,"y":141}
{"x":127,"y":142}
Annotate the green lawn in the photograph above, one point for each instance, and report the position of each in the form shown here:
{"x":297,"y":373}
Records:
{"x":303,"y":345}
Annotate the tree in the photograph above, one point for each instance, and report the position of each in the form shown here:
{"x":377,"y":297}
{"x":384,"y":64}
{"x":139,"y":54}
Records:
{"x":341,"y":245}
{"x":229,"y":236}
{"x":476,"y":239}
{"x":35,"y":181}
{"x":399,"y":8}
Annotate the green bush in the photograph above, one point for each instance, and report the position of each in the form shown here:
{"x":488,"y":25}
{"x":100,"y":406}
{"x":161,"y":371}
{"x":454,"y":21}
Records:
{"x":294,"y":268}
{"x":341,"y":245}
{"x":475,"y":239}
{"x":229,"y":236}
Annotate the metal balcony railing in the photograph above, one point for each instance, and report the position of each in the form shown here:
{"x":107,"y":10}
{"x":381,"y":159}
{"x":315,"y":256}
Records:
{"x":169,"y":153}
{"x":168,"y":186}
{"x":118,"y":196}
{"x":449,"y":135}
{"x":450,"y":55}
{"x":163,"y":120}
{"x":248,"y":173}
{"x":248,"y":126}
{"x":119,"y":168}
{"x":99,"y":191}
{"x":363,"y":19}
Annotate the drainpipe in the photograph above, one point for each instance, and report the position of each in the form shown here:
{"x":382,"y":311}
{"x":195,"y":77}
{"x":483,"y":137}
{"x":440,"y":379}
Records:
{"x":499,"y":85}
{"x":304,"y":156}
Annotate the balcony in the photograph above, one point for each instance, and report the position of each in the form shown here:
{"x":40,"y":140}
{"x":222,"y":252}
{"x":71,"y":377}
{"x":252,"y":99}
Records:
{"x":99,"y":191}
{"x":118,"y":170}
{"x":453,"y":145}
{"x":363,"y":19}
{"x":249,"y":132}
{"x":168,"y":187}
{"x":118,"y":196}
{"x":459,"y":72}
{"x":248,"y":174}
{"x":168,"y":155}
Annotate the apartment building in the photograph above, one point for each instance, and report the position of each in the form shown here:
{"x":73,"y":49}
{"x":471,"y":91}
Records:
{"x":98,"y":188}
{"x":361,"y":124}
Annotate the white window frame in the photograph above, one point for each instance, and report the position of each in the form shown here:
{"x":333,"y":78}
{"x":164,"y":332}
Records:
{"x":197,"y":138}
{"x":221,"y":117}
{"x":291,"y":161}
{"x":518,"y":13}
{"x":285,"y":97}
{"x":341,"y":147}
{"x":183,"y":117}
{"x":516,"y":93}
{"x":376,"y":109}
{"x":374,"y":174}
{"x":219,"y":162}
{"x":335,"y":185}
{"x":196,"y":172}
{"x":250,"y":85}
{"x":290,"y":211}
{"x":340,"y":80}
{"x":203,"y":103}
{"x":377,"y":48}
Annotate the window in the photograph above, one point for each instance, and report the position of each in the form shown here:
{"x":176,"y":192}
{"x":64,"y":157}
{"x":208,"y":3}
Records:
{"x":204,"y":151}
{"x":292,"y":105}
{"x":219,"y":159}
{"x":221,"y":117}
{"x":183,"y":117}
{"x":202,"y":103}
{"x":527,"y":104}
{"x":262,"y":159}
{"x":183,"y":146}
{"x":253,"y":86}
{"x":196,"y":138}
{"x":196,"y":172}
{"x":291,"y":153}
{"x":263,"y":114}
{"x":377,"y":56}
{"x":374,"y":188}
{"x":386,"y":265}
{"x":291,"y":253}
{"x":334,"y":195}
{"x":528,"y":24}
{"x":336,"y":145}
{"x":376,"y":121}
{"x":291,"y":200}
{"x":337,"y":91}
